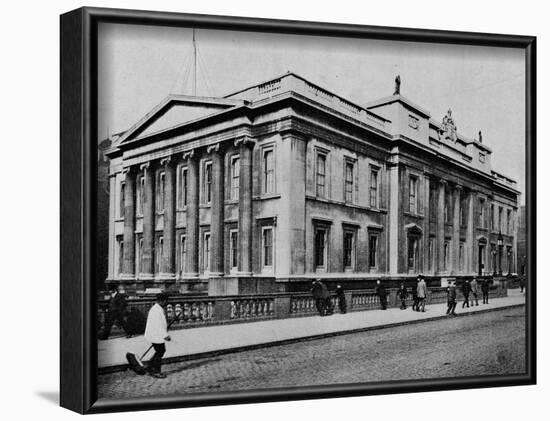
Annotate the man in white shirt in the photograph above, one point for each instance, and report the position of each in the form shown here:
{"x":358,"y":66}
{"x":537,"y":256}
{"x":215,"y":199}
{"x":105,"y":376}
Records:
{"x":156,"y":332}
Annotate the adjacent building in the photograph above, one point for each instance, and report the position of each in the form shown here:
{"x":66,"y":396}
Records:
{"x":272,"y":186}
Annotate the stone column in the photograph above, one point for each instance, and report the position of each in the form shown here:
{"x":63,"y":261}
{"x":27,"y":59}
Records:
{"x":147,"y":257}
{"x":426,"y":224}
{"x":169,"y":223}
{"x":440,"y":232}
{"x":192,"y":214}
{"x":456,"y":230}
{"x":393,"y":216}
{"x":470,"y":247}
{"x":217,"y":211}
{"x":129,"y":258}
{"x":245,"y":205}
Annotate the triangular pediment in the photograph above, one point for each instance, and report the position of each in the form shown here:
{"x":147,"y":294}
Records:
{"x":175,"y":111}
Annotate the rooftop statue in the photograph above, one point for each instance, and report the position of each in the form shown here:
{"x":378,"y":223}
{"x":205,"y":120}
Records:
{"x":448,"y":127}
{"x":480,"y":137}
{"x":397,"y":90}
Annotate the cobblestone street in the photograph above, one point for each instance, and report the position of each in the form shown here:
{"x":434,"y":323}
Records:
{"x":482,"y":344}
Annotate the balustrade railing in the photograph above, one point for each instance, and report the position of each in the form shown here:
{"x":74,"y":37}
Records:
{"x":203,"y":310}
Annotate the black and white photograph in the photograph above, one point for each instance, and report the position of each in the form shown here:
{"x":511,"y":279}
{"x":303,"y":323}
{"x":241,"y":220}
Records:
{"x":280,"y":211}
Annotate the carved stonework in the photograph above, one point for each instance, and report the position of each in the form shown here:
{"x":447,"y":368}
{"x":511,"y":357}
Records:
{"x":448,"y":128}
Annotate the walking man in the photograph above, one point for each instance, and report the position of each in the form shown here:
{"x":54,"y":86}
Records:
{"x":414,"y":294}
{"x":116,"y":312}
{"x":466,"y":288}
{"x":326,"y":298}
{"x":341,"y":296}
{"x":451,"y":299}
{"x":382,"y":294}
{"x":485,"y":291}
{"x":402,"y":295}
{"x":422,"y":292}
{"x":473,"y":287}
{"x":156,"y":332}
{"x":317,"y":293}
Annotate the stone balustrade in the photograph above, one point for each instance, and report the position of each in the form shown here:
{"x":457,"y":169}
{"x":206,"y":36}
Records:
{"x":203,"y":310}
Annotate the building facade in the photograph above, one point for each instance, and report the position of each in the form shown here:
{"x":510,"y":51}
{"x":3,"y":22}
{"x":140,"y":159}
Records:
{"x":274,"y":185}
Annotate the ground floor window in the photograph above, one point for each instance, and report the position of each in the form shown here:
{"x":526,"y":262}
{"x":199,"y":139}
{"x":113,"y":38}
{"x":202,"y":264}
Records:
{"x":349,"y":249}
{"x":320,"y":244}
{"x":158,"y":254}
{"x":267,"y":247}
{"x":461,"y":256}
{"x":446,"y":255}
{"x":139,"y":254}
{"x":182,"y":254}
{"x":206,"y":251}
{"x":412,"y":253}
{"x":431,"y":254}
{"x":120,"y":254}
{"x":233,"y":249}
{"x":373,"y":251}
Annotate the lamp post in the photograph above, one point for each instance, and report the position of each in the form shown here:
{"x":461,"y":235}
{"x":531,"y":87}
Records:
{"x":494,"y":261}
{"x":509,"y":254}
{"x":500,"y":241}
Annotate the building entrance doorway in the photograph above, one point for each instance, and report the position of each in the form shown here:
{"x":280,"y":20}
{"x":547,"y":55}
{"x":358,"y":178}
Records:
{"x":480,"y":259}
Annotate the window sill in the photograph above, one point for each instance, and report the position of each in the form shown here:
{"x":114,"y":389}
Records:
{"x":267,"y":196}
{"x":413,"y":215}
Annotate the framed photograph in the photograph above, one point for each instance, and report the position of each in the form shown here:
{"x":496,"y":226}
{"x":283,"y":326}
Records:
{"x":256,"y":210}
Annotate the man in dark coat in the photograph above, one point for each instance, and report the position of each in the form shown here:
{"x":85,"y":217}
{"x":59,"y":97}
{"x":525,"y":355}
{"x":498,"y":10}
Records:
{"x":451,"y":298}
{"x":382,"y":294}
{"x":485,"y":291}
{"x":402,"y":295}
{"x":341,"y":296}
{"x":466,"y":289}
{"x":326,"y":298}
{"x":521,"y":283}
{"x":414,"y":294}
{"x":317,"y":293}
{"x":116,"y":311}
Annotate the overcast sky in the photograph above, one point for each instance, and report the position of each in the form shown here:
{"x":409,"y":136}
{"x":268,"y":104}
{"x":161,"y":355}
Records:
{"x":484,"y":86}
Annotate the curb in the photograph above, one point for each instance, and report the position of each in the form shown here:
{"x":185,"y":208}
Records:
{"x":211,"y":354}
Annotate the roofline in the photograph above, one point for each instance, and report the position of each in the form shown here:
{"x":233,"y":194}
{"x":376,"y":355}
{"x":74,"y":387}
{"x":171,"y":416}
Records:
{"x":395,"y":98}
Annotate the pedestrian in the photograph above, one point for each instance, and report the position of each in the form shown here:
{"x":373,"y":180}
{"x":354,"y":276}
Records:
{"x":414,"y":294}
{"x":466,"y":288}
{"x":422,"y":292}
{"x":402,"y":295}
{"x":382,"y":294}
{"x":522,"y":283}
{"x":116,"y":311}
{"x":326,"y":298}
{"x":156,"y":332}
{"x":473,"y":287}
{"x":451,"y":299}
{"x":317,"y":293}
{"x":341,"y":296}
{"x":485,"y":291}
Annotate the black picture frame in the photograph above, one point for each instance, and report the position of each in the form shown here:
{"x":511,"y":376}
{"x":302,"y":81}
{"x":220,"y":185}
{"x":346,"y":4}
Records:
{"x":78,"y":97}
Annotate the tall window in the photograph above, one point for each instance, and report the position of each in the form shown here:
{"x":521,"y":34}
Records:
{"x":206,"y":252}
{"x":499,"y":218}
{"x":481,"y":213}
{"x":349,"y":182}
{"x":182,"y":191}
{"x":139,"y":255}
{"x":267,"y":247}
{"x":373,"y":190}
{"x":430,"y":254}
{"x":461,"y":256}
{"x":447,"y":216}
{"x":235,"y":172}
{"x":462,"y":216}
{"x":349,"y":249}
{"x":159,"y":253}
{"x":373,"y":250}
{"x":160,"y":191}
{"x":320,"y":247}
{"x":413,"y":182}
{"x":412,"y":253}
{"x":140,"y":194}
{"x":433,"y":202}
{"x":446,"y":255}
{"x":121,"y":203}
{"x":269,"y":171}
{"x":208,"y":182}
{"x":233,"y":248}
{"x":183,"y":254}
{"x":508,"y":221}
{"x":120,"y":243}
{"x":321,"y":174}
{"x":492,"y":217}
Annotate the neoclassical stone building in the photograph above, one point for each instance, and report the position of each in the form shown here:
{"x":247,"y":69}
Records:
{"x":276,"y":184}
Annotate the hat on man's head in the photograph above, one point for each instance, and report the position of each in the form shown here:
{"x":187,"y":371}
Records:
{"x":162,"y":296}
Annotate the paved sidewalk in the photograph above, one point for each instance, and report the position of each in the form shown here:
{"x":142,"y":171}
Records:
{"x":202,"y":341}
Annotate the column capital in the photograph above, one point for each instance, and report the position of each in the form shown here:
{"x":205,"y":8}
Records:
{"x":459,"y":188}
{"x":213,"y":149}
{"x":145,"y":165}
{"x":244,"y":140}
{"x":443,"y":182}
{"x":188,"y":155}
{"x":166,"y":160}
{"x":127,"y":170}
